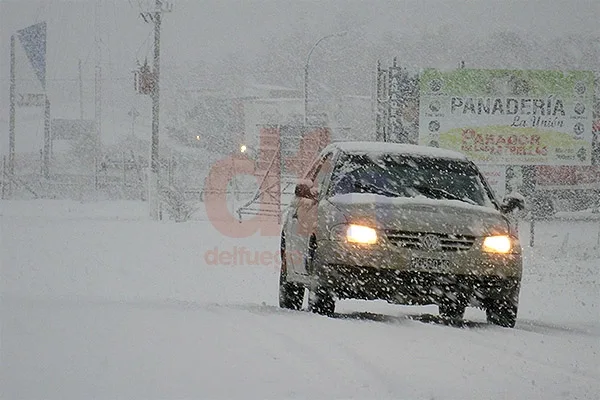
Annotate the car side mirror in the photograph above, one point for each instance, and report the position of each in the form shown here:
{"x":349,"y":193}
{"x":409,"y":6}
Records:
{"x":305,"y":190}
{"x":512,"y":202}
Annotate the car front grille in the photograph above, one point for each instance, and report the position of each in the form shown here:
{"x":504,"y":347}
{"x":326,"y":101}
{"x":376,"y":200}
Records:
{"x":418,"y":241}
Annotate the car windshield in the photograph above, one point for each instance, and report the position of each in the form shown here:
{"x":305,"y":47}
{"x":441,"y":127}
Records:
{"x":396,"y":175}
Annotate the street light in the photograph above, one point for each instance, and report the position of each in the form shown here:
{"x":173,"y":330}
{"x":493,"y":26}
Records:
{"x":339,"y":34}
{"x":247,"y":150}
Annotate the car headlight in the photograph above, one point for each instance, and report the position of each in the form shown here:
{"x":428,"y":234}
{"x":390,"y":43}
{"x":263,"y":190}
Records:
{"x":497,"y":244}
{"x":354,"y":234}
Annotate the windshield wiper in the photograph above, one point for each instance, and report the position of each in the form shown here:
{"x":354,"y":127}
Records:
{"x":432,"y":191}
{"x":371,"y":188}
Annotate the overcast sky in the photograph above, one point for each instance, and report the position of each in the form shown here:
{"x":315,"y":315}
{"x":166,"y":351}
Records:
{"x":208,"y":31}
{"x":204,"y":30}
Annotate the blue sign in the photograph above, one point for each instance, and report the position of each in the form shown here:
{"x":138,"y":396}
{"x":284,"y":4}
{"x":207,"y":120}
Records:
{"x":33,"y":39}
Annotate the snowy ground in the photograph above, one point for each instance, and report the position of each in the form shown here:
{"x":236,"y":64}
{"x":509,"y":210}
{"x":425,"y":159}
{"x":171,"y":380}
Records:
{"x":98,"y":302}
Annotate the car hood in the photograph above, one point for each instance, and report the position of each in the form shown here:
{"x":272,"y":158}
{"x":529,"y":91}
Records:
{"x":420,"y":214}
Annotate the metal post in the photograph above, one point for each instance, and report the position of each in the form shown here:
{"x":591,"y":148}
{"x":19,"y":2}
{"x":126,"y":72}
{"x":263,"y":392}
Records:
{"x":156,"y":89}
{"x":4,"y":177}
{"x":153,"y":182}
{"x":392,"y":131}
{"x":98,"y":107}
{"x":11,"y":120}
{"x":97,"y":83}
{"x":376,"y":106}
{"x":171,"y":168}
{"x":529,"y":189}
{"x":306,"y":93}
{"x":598,"y":210}
{"x":96,"y":180}
{"x":532,"y":231}
{"x":306,"y":71}
{"x":80,"y":92}
{"x":229,"y":194}
{"x":97,"y":102}
{"x":47,"y":139}
{"x":598,"y":241}
{"x":124,"y":171}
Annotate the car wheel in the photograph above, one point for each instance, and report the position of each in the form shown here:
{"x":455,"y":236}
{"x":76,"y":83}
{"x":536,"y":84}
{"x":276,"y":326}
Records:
{"x":502,"y":313}
{"x":452,"y":310}
{"x":321,"y":301}
{"x":291,"y":294}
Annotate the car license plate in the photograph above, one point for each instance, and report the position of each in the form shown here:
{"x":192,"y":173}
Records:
{"x":430,"y":264}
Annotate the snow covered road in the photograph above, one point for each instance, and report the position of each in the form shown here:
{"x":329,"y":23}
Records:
{"x":98,"y":302}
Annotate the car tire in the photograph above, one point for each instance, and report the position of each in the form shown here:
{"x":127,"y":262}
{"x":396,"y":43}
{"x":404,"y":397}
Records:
{"x":502,"y":313}
{"x":452,"y":310}
{"x":291,"y":295}
{"x":321,"y":301}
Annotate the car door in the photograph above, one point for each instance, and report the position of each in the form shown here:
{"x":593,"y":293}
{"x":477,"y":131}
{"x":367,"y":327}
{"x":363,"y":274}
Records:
{"x":294,"y":249}
{"x":305,"y":213}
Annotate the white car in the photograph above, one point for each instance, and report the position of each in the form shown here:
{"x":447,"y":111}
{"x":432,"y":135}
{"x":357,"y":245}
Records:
{"x":403,"y":223}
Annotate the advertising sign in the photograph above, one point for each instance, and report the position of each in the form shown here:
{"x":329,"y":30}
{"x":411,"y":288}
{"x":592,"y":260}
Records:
{"x":496,"y":177}
{"x":509,"y":116}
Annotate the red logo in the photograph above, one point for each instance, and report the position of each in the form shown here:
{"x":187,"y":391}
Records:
{"x":267,"y":169}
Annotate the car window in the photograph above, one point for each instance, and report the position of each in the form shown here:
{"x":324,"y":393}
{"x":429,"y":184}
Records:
{"x":314,"y":169}
{"x":323,"y":171}
{"x":410,"y":176}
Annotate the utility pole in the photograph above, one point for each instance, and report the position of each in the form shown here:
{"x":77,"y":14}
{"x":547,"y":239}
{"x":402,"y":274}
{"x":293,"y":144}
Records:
{"x":154,"y":157}
{"x":306,"y":92}
{"x":97,"y":94}
{"x":98,"y":104}
{"x":11,"y":119}
{"x":153,"y":178}
{"x":47,"y":139}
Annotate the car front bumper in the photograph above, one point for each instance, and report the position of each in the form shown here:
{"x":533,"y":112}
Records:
{"x":390,"y":273}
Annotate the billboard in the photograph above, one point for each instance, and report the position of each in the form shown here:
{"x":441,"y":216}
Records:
{"x":509,"y":116}
{"x":496,"y":178}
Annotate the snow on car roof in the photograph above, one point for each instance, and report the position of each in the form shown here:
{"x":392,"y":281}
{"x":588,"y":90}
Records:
{"x":395,"y":148}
